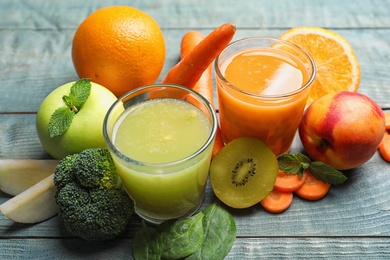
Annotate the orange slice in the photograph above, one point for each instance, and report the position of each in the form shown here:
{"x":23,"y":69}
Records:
{"x":337,"y":66}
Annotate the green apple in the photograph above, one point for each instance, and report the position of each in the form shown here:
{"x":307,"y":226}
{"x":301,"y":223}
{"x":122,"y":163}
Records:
{"x":33,"y":205}
{"x":85,"y":130}
{"x":17,"y":175}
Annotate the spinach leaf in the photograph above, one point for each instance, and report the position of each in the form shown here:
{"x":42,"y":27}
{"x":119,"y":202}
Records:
{"x":220,"y":234}
{"x":147,"y":244}
{"x":182,"y":237}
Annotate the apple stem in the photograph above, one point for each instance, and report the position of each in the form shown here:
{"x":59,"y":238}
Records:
{"x":74,"y":109}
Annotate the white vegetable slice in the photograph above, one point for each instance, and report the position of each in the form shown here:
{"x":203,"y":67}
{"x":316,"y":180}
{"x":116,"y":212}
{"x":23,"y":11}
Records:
{"x":17,"y":175}
{"x":33,"y":205}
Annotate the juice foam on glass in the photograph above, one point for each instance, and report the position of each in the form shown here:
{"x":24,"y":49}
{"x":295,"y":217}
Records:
{"x":263,"y":85}
{"x":162,"y":150}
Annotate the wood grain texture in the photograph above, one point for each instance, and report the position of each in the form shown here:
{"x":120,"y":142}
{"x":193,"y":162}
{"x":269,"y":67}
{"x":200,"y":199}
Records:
{"x":41,"y":14}
{"x":351,"y":222}
{"x":36,"y":68}
{"x":253,"y":248}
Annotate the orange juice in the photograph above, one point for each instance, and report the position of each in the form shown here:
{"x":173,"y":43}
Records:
{"x":262,"y":92}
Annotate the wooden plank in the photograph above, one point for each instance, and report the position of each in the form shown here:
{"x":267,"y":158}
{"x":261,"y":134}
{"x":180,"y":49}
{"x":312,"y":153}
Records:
{"x":352,"y":222}
{"x":18,"y":138}
{"x":36,"y":62}
{"x":244,"y":248}
{"x":360,"y":207}
{"x":43,"y":14}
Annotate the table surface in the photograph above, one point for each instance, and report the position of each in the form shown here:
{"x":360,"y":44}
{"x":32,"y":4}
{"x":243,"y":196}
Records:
{"x":352,"y":222}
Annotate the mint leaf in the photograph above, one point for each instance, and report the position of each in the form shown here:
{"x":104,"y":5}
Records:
{"x":326,"y":173}
{"x":298,"y":163}
{"x":60,"y":121}
{"x":62,"y":118}
{"x":67,"y":100}
{"x":79,"y":93}
{"x":293,"y":163}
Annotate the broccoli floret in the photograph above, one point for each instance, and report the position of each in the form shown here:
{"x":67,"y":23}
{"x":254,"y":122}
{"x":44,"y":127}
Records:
{"x":64,"y":171}
{"x":92,"y":204}
{"x":95,"y":168}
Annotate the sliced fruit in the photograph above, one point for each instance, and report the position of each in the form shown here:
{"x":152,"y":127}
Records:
{"x":33,"y":205}
{"x":337,"y":66}
{"x":17,"y":175}
{"x":243,"y":172}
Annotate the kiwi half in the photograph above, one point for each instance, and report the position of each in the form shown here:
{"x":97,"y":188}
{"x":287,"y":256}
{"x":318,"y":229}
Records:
{"x":243,"y":172}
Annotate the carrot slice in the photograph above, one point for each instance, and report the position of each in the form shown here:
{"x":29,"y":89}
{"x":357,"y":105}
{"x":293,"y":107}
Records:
{"x":386,"y":133}
{"x":289,"y":182}
{"x":384,"y":147}
{"x":204,"y":86}
{"x":277,"y":201}
{"x":313,"y":189}
{"x":387,"y":120}
{"x":188,"y":70}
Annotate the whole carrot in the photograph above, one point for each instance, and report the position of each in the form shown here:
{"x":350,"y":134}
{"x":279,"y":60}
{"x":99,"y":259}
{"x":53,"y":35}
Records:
{"x":188,"y":70}
{"x":204,"y":86}
{"x":189,"y":41}
{"x":218,"y":142}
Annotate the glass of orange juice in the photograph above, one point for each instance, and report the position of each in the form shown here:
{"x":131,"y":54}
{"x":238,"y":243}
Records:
{"x":263,"y":85}
{"x":161,"y":139}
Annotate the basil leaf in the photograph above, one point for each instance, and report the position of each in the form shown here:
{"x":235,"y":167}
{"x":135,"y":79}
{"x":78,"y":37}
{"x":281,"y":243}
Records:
{"x":182,"y":237}
{"x":60,"y":121}
{"x":147,"y":244}
{"x":220,"y":234}
{"x":326,"y":173}
{"x":293,"y":163}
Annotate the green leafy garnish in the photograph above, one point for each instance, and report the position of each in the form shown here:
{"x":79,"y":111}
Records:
{"x":326,"y":173}
{"x":62,"y":118}
{"x":220,"y":234}
{"x":147,"y":243}
{"x":298,"y":163}
{"x":209,"y":234}
{"x":294,"y":163}
{"x":182,"y":237}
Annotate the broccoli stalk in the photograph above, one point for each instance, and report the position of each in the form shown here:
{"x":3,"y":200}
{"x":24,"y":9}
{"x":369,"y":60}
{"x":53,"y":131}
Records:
{"x":91,"y":200}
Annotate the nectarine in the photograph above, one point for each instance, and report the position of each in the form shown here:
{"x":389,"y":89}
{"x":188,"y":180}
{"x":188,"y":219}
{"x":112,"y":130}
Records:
{"x":342,"y":129}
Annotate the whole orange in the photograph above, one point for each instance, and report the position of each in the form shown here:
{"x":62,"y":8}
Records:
{"x":119,"y":47}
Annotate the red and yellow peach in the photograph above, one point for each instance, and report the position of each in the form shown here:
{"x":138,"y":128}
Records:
{"x":342,"y":129}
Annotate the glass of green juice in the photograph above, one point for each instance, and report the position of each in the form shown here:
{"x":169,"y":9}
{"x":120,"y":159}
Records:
{"x":161,"y":138}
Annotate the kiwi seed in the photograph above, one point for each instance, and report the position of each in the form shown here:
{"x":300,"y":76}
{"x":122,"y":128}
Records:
{"x":242,"y":171}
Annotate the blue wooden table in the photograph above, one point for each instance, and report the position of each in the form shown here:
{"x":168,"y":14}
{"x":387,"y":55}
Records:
{"x":352,"y":222}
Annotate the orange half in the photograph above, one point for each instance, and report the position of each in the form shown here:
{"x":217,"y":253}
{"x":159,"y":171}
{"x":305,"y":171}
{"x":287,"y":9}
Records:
{"x":337,"y":66}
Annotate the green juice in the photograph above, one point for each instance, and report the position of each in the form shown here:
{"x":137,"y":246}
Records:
{"x":156,"y":134}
